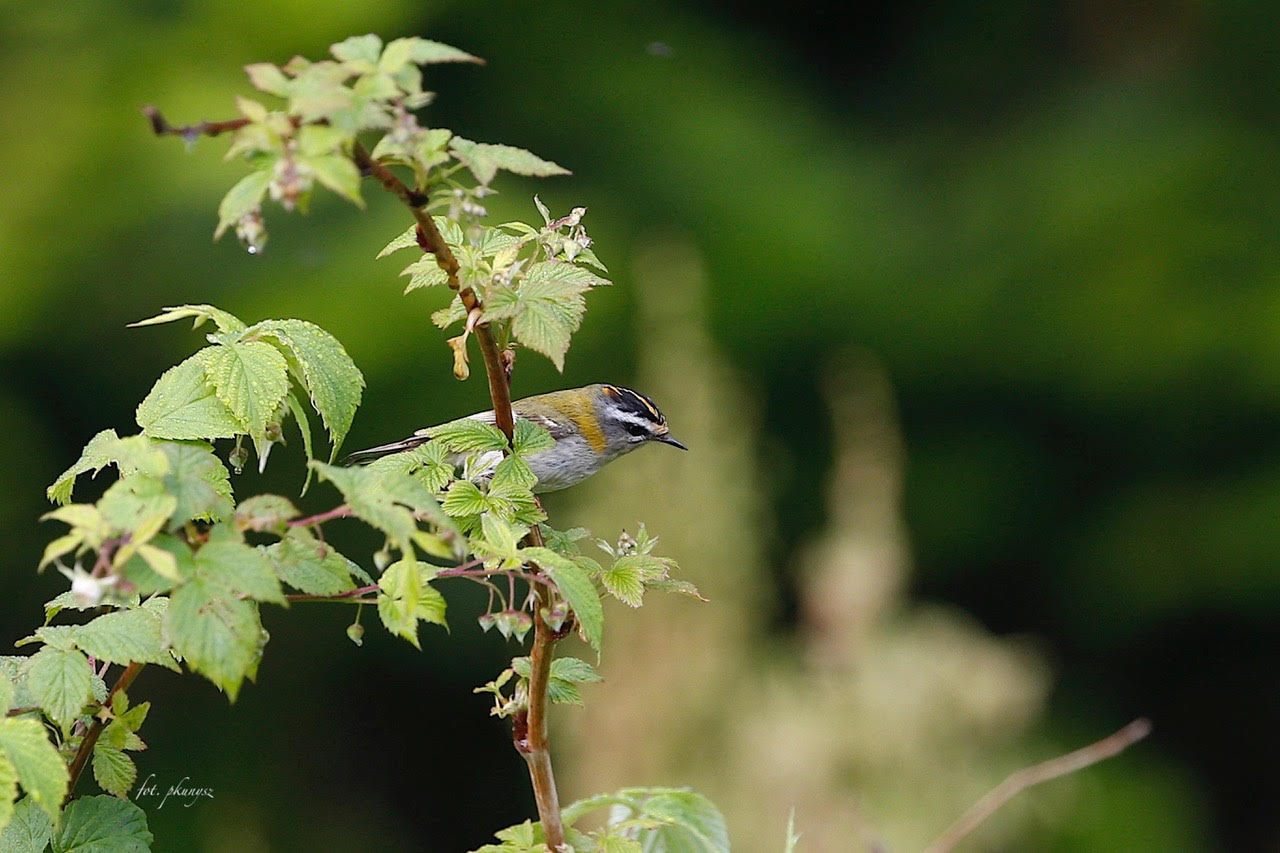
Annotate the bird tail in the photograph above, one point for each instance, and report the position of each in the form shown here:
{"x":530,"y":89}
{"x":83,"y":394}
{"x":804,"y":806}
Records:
{"x":364,"y":457}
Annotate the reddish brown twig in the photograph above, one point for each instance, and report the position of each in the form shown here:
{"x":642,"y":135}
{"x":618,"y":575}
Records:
{"x":190,"y":131}
{"x":99,"y":723}
{"x":341,"y":511}
{"x":433,"y":242}
{"x":1034,"y":775}
{"x":337,"y":596}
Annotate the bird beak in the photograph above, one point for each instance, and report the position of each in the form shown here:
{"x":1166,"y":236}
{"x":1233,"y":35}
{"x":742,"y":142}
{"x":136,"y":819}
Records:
{"x":666,"y":439}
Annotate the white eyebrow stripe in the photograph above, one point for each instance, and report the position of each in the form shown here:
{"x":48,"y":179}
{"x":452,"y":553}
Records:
{"x":632,"y":418}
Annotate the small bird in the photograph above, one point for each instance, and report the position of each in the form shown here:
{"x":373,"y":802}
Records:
{"x":591,"y":426}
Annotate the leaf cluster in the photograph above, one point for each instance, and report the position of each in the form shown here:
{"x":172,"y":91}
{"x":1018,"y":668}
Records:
{"x":639,"y":820}
{"x":531,"y":281}
{"x":250,"y":380}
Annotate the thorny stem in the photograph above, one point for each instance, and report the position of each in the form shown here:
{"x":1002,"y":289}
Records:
{"x":533,"y":741}
{"x":534,"y":745}
{"x":431,"y":241}
{"x":99,"y":723}
{"x":537,"y":744}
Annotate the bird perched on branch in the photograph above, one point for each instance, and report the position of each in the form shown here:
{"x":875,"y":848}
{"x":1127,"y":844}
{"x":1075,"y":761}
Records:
{"x":591,"y":426}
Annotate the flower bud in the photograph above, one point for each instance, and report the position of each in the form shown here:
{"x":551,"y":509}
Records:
{"x":355,"y":633}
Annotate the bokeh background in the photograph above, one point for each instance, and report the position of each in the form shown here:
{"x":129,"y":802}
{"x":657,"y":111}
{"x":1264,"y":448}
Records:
{"x":970,"y":314}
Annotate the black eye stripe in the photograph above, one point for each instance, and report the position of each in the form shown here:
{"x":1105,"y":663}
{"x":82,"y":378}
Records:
{"x":636,"y":404}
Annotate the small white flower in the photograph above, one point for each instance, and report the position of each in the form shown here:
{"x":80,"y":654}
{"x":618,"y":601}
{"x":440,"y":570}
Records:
{"x":87,"y":590}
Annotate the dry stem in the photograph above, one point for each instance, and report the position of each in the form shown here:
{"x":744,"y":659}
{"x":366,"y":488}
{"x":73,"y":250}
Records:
{"x":1034,"y":775}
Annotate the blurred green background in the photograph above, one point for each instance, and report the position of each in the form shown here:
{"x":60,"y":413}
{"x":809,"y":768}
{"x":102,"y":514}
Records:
{"x":969,"y":312}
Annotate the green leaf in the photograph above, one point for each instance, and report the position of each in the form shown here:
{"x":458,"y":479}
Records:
{"x":124,"y":636}
{"x":94,"y":458}
{"x":468,"y":435}
{"x":574,"y":670}
{"x":61,"y":682}
{"x":395,"y":55}
{"x":199,"y":480}
{"x":304,"y":429}
{"x":500,"y":536}
{"x":141,"y":570}
{"x":114,"y":771}
{"x":566,"y":274}
{"x":427,"y":463}
{"x":6,"y":693}
{"x":366,"y":493}
{"x":29,"y":829}
{"x":225,"y":321}
{"x":237,"y":567}
{"x":256,"y":112}
{"x":546,"y":308}
{"x":563,"y":541}
{"x":8,"y":789}
{"x":691,"y":822}
{"x":103,"y":824}
{"x":263,"y":513}
{"x":399,"y":591}
{"x":617,"y":844}
{"x":139,"y":505}
{"x":268,"y":78}
{"x":431,"y":604}
{"x":183,"y":405}
{"x":217,"y":633}
{"x":327,"y":372}
{"x":315,"y":139}
{"x":135,"y":454}
{"x":524,"y":837}
{"x":406,"y":597}
{"x":563,"y":692}
{"x":529,"y":438}
{"x":364,"y":48}
{"x":14,"y":668}
{"x":447,"y":316}
{"x":677,"y":586}
{"x":512,"y":478}
{"x":60,"y":547}
{"x":338,"y":173}
{"x":133,"y":718}
{"x":41,"y":770}
{"x":577,"y":588}
{"x":242,"y":198}
{"x":409,"y":492}
{"x":425,"y":272}
{"x":307,"y":564}
{"x":251,"y":379}
{"x":407,"y":238}
{"x":426,"y":52}
{"x":623,"y":581}
{"x":484,"y":160}
{"x":464,"y":498}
